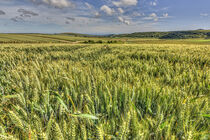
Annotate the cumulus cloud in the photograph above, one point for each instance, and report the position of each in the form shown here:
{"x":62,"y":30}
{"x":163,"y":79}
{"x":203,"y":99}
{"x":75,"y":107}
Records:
{"x":120,"y":10}
{"x":155,"y":17}
{"x":2,"y":12}
{"x":121,"y":19}
{"x":152,"y":16}
{"x":97,"y":15}
{"x":55,"y":3}
{"x":165,"y":15}
{"x":106,"y":9}
{"x":27,"y":13}
{"x":125,"y":3}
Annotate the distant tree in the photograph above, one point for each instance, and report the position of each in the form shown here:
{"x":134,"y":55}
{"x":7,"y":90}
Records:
{"x":208,"y":35}
{"x":99,"y":41}
{"x":112,"y":41}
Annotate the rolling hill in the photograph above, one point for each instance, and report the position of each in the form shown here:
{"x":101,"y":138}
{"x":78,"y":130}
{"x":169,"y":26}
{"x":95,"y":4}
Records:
{"x":169,"y":35}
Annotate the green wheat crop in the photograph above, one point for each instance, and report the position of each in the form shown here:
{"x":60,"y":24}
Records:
{"x":134,"y":92}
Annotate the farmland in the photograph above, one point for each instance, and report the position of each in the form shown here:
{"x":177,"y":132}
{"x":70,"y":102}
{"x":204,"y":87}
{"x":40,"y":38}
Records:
{"x":62,"y":87}
{"x":83,"y":39}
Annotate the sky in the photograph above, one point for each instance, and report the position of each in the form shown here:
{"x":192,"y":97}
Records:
{"x":102,"y":16}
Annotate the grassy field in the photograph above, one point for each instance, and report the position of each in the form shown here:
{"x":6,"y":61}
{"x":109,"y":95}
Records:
{"x":117,"y":91}
{"x":69,"y":39}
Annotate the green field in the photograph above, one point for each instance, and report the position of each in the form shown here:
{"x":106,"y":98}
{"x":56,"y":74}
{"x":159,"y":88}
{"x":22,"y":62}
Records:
{"x":59,"y":87}
{"x":69,"y":39}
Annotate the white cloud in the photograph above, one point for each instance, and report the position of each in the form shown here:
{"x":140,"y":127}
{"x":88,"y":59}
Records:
{"x":54,"y":3}
{"x":165,"y":15}
{"x":106,"y":9}
{"x":123,"y":20}
{"x":153,"y":15}
{"x":153,"y":3}
{"x":120,"y":10}
{"x":155,"y":19}
{"x":125,"y":3}
{"x":165,"y":8}
{"x":97,"y":15}
{"x":137,"y":14}
{"x":204,"y":14}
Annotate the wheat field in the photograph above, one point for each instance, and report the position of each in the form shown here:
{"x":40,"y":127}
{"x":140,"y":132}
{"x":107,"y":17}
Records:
{"x":104,"y":92}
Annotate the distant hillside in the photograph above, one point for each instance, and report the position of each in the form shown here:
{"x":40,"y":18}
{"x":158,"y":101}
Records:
{"x":169,"y":35}
{"x":83,"y":35}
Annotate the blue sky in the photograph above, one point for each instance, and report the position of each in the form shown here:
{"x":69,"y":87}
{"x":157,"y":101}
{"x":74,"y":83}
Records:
{"x":102,"y":16}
